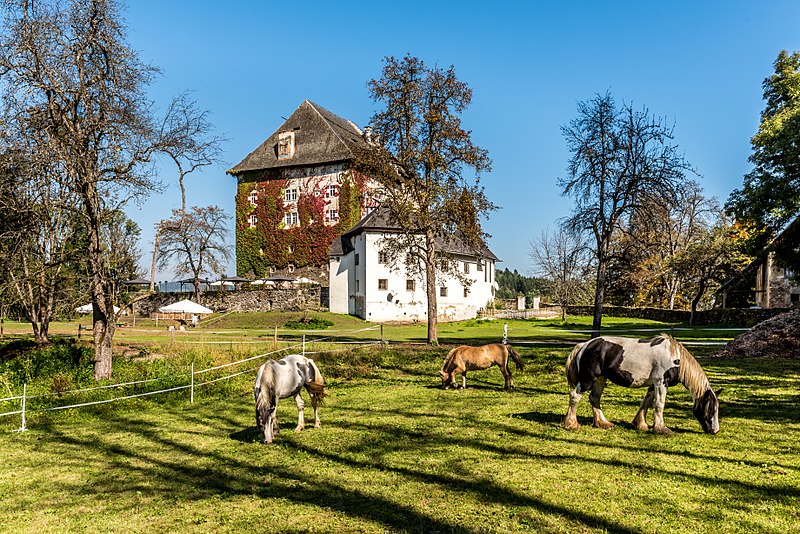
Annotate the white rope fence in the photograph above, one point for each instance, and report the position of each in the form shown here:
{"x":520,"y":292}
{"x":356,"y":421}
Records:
{"x":191,"y":386}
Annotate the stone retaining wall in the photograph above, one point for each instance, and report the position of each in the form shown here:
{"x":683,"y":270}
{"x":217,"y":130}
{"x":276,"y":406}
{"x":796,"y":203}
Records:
{"x":734,"y":317}
{"x":246,"y":300}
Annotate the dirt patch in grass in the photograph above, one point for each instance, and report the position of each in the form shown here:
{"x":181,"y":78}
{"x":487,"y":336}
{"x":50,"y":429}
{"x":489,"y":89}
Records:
{"x":777,"y":337}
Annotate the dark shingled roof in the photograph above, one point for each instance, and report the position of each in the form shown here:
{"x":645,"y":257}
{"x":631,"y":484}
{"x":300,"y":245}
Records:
{"x":320,"y":137}
{"x":379,"y":220}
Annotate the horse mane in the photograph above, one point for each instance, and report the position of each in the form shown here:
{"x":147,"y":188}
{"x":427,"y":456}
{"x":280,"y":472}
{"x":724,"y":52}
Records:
{"x":316,"y":386}
{"x":264,"y":384}
{"x":571,"y":367}
{"x":690,"y":373}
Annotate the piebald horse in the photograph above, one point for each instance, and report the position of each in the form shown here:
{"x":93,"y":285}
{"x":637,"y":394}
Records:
{"x":281,"y":379}
{"x":659,"y":362}
{"x":464,"y":358}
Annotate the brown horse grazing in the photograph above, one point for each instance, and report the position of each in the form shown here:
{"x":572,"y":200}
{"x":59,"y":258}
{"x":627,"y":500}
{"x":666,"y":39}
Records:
{"x":464,"y":358}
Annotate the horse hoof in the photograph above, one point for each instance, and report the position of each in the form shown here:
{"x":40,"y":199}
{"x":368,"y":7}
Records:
{"x":605,"y":425}
{"x":299,"y":429}
{"x":572,"y":426}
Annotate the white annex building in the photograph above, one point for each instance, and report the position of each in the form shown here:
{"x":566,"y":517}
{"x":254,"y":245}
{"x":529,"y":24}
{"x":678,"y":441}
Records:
{"x":365,"y":281}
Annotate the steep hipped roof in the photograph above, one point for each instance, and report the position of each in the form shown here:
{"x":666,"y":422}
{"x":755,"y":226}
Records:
{"x":379,"y":220}
{"x":320,"y":137}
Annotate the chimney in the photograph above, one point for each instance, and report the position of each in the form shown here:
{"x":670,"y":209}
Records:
{"x":368,"y":134}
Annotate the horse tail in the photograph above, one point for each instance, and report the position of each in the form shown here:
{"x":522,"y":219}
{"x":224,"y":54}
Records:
{"x":571,"y":368}
{"x":316,"y":386}
{"x":515,"y":356}
{"x":264,"y":391}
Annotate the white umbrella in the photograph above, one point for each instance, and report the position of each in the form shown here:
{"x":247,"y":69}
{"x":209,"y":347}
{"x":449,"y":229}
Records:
{"x":185,"y":306}
{"x":87,"y":308}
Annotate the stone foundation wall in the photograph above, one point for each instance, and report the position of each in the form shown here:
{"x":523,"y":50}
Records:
{"x":734,"y":317}
{"x":246,"y":300}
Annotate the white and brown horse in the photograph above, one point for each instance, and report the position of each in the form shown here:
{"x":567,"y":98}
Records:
{"x":465,"y":358}
{"x":659,"y":363}
{"x":286,"y":378}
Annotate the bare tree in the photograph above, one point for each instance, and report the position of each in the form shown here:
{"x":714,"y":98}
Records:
{"x":191,"y":143}
{"x":428,"y":167}
{"x":68,"y":74}
{"x":564,"y":259}
{"x":619,"y":158}
{"x":39,"y":247}
{"x":194,"y":242}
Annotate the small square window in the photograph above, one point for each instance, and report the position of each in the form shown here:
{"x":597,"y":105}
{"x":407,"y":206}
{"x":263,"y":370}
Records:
{"x":253,"y":197}
{"x":383,"y":257}
{"x":410,"y":285}
{"x":290,"y":218}
{"x":383,"y":284}
{"x":466,"y":268}
{"x":286,"y":145}
{"x":332,"y":191}
{"x":290,"y":195}
{"x":466,"y":292}
{"x":443,"y":291}
{"x":333,"y":215}
{"x":252,"y":220}
{"x":480,"y":266}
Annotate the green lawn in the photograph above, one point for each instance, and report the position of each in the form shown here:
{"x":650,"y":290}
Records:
{"x":395,"y":453}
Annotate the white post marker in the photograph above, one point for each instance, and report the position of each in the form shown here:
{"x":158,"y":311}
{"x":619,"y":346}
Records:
{"x":304,"y":345}
{"x":24,"y":394}
{"x":191,"y":391}
{"x":505,"y":333}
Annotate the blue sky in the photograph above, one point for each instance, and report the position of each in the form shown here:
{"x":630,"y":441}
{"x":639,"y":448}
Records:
{"x":700,"y":65}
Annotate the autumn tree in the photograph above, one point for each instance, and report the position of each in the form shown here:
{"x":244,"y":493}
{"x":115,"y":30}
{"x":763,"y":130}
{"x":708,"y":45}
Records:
{"x":620,"y":157}
{"x":563,"y":258}
{"x":770,"y":196}
{"x":428,"y":167}
{"x":193,"y":242}
{"x":69,"y":75}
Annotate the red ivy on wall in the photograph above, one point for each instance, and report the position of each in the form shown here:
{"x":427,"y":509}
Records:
{"x":270,"y":244}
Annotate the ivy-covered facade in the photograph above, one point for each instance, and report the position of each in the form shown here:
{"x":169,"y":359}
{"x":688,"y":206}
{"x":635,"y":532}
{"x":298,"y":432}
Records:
{"x":296,"y":192}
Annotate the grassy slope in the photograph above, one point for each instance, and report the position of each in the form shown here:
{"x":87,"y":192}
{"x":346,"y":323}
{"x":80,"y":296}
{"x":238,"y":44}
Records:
{"x":396,"y":453}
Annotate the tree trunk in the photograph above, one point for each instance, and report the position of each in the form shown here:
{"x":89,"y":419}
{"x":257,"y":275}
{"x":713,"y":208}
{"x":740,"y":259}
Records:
{"x":696,"y":300}
{"x":101,"y":286}
{"x":599,"y":297}
{"x":430,"y":276}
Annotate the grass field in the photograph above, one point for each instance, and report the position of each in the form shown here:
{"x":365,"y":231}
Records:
{"x":397,"y":454}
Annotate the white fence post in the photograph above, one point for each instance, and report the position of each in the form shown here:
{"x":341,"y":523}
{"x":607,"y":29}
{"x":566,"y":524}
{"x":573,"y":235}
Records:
{"x":304,"y":345}
{"x":24,"y":394}
{"x":505,"y":333}
{"x":191,"y":394}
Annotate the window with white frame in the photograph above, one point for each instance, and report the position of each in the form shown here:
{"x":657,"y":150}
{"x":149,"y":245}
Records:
{"x":253,"y":197}
{"x":333,"y":215}
{"x":252,"y":220}
{"x":290,"y":195}
{"x":332,"y":191}
{"x":443,"y":291}
{"x":383,"y":257}
{"x":410,"y":285}
{"x":290,"y":218}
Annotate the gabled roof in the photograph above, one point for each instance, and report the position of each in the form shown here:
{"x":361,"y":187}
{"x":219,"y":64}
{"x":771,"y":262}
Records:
{"x":379,"y":220}
{"x":320,"y":137}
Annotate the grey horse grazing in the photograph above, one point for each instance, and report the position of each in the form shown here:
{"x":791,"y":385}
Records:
{"x":659,"y":362}
{"x":286,"y":378}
